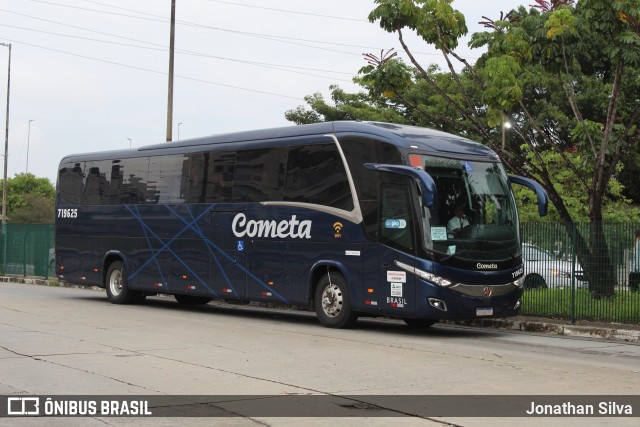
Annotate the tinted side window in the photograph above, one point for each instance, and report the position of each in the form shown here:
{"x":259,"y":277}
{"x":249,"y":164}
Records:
{"x":259,"y":175}
{"x":168,"y":178}
{"x":358,"y":151}
{"x":316,"y":174}
{"x":71,"y":182}
{"x":132,"y":181}
{"x":97,"y":183}
{"x":197,"y":177}
{"x":395,"y":222}
{"x":220,"y":177}
{"x":210,"y":177}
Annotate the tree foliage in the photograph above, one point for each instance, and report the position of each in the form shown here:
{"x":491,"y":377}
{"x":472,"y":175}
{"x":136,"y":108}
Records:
{"x":30,"y":200}
{"x":564,"y":74}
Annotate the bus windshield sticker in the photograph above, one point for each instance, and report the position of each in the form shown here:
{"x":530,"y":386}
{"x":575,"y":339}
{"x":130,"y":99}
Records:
{"x":451,"y":250}
{"x":397,"y":276}
{"x":468,"y":167}
{"x":240,"y":245}
{"x":395,"y":223}
{"x":438,"y":233}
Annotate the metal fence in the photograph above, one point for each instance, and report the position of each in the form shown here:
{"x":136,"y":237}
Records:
{"x":559,"y":280}
{"x":581,"y":270}
{"x":27,"y":250}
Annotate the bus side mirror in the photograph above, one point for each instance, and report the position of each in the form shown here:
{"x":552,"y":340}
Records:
{"x":543,"y":199}
{"x":424,"y":181}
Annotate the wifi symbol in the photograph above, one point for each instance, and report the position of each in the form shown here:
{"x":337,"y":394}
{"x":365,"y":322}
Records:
{"x":338,"y":227}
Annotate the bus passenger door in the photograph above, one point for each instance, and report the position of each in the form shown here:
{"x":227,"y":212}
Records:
{"x":397,"y":245}
{"x":228,"y":257}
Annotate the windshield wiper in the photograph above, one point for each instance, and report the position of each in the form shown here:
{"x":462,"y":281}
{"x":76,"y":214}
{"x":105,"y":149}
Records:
{"x":455,"y":255}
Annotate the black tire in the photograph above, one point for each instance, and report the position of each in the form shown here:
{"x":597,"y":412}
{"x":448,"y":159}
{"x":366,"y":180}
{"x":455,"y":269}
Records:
{"x":634,"y":281}
{"x":333,"y":303}
{"x":534,"y":281}
{"x":420,"y":323}
{"x":117,"y":286}
{"x":192,"y":299}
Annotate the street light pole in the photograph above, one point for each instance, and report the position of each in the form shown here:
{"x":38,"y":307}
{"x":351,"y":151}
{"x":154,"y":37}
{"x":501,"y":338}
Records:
{"x":6,"y":147}
{"x":129,"y":142}
{"x":26,"y":170}
{"x":179,"y":130}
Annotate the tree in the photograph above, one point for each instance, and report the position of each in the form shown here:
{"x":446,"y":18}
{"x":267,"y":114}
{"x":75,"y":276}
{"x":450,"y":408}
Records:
{"x":563,"y":74}
{"x":30,"y":200}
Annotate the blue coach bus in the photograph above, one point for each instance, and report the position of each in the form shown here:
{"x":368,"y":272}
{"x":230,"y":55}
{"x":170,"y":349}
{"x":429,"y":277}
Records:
{"x":345,"y":218}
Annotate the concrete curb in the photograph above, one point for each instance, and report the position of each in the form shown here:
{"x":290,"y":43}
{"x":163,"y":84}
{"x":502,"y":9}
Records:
{"x":618,"y":332}
{"x":614,"y":331}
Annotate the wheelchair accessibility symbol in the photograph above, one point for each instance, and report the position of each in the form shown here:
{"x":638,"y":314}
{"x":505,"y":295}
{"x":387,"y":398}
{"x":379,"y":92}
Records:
{"x":240,"y":245}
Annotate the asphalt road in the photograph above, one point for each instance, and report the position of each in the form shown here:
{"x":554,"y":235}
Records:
{"x":65,"y":341}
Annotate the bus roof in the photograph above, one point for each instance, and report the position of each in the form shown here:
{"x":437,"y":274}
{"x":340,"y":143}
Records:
{"x":410,"y":137}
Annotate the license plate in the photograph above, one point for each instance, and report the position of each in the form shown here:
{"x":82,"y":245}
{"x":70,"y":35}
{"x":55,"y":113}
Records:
{"x":484,"y":311}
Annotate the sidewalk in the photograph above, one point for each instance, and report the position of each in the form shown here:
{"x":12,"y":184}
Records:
{"x":608,"y":331}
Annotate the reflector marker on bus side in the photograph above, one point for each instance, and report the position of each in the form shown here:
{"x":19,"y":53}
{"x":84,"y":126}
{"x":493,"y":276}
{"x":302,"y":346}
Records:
{"x":267,"y":294}
{"x":227,"y":291}
{"x":191,"y":287}
{"x":157,"y":285}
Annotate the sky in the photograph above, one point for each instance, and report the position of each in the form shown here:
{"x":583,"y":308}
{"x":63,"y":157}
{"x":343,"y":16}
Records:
{"x":92,"y":75}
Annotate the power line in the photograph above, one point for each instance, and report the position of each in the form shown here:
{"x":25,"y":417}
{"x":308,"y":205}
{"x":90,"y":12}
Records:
{"x":155,"y":71}
{"x":159,"y":18}
{"x":286,"y":11}
{"x":271,"y":37}
{"x":163,"y":48}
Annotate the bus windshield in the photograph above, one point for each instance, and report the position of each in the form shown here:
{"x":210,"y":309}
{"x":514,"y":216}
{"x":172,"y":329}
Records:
{"x":475,"y":214}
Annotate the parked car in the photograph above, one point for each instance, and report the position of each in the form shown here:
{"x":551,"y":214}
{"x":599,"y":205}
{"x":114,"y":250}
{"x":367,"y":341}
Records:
{"x":543,"y":269}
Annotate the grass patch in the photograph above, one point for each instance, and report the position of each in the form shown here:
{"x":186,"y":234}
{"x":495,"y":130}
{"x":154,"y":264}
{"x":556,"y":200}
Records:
{"x":623,"y":307}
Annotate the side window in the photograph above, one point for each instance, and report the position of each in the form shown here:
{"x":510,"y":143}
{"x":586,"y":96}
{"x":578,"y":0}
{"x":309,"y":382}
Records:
{"x":259,"y":175}
{"x":395,"y":222}
{"x":197,"y":177}
{"x":167,"y":178}
{"x":96,"y":187}
{"x":71,"y":182}
{"x":219,"y":186}
{"x":134,"y":180}
{"x":210,"y":177}
{"x":316,"y":174}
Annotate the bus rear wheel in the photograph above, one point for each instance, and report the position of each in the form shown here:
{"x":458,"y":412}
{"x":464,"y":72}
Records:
{"x":191,"y":299}
{"x":117,"y":286}
{"x":333,"y":303}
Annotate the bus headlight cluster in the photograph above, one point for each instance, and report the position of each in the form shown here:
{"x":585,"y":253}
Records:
{"x":440,"y":281}
{"x":519,"y":282}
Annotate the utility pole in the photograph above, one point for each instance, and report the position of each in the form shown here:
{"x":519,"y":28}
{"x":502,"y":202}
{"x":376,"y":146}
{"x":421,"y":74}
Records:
{"x":171,"y":50}
{"x":6,"y":149}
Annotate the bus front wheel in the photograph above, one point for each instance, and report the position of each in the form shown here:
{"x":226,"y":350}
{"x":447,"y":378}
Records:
{"x":117,"y":286}
{"x":333,"y":303}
